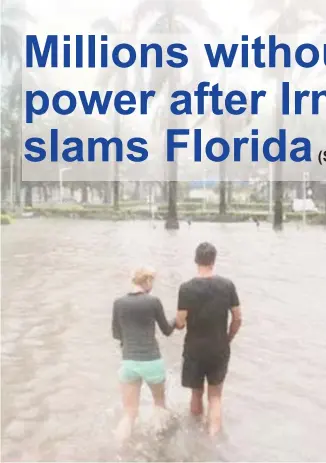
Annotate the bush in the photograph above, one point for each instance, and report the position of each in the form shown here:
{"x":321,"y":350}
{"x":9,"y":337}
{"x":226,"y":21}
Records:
{"x":315,"y":218}
{"x":56,"y":210}
{"x":6,"y":219}
{"x":197,"y":215}
{"x":193,"y":200}
{"x":195,"y":206}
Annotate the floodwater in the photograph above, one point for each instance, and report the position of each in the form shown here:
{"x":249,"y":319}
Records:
{"x":60,"y":394}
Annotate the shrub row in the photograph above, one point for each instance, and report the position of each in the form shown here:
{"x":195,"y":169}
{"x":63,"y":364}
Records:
{"x":188,"y":206}
{"x":196,"y":216}
{"x":185,"y":206}
{"x":6,"y":219}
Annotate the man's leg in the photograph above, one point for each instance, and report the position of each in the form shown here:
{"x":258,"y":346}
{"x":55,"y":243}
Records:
{"x":214,"y":395}
{"x":196,"y":403}
{"x":193,"y":378}
{"x":216,"y":373}
{"x":130,"y":400}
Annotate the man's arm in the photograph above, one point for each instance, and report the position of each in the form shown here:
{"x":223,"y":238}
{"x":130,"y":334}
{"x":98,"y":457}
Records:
{"x":236,"y":316}
{"x":236,"y":320}
{"x":184,"y":304}
{"x":181,"y":319}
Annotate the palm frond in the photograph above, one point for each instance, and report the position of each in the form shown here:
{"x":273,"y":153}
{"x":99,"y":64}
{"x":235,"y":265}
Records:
{"x":147,"y":7}
{"x":105,"y":78}
{"x":158,"y":79}
{"x":16,"y":13}
{"x":163,"y":26}
{"x":106,"y":25}
{"x":290,"y":15}
{"x":160,"y":26}
{"x":190,"y":9}
{"x":10,"y":45}
{"x":160,"y":118}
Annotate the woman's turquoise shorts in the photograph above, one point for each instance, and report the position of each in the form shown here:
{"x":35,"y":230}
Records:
{"x":151,"y":371}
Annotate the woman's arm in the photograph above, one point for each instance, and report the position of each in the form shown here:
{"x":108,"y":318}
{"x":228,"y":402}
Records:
{"x":165,"y":326}
{"x":116,"y":329}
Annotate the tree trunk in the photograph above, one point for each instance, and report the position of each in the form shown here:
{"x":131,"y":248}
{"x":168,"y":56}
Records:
{"x":4,"y":187}
{"x":172,"y":222}
{"x":222,"y":205}
{"x":18,"y":180}
{"x":45,"y":193}
{"x":278,"y":205}
{"x":72,"y":190}
{"x":53,"y":191}
{"x":117,"y":130}
{"x":106,"y":193}
{"x":278,"y":174}
{"x":28,"y":195}
{"x":84,"y":193}
{"x":136,"y":193}
{"x":229,"y":193}
{"x":223,"y":183}
{"x":172,"y":217}
{"x":278,"y":185}
{"x":116,"y":195}
{"x":165,"y":192}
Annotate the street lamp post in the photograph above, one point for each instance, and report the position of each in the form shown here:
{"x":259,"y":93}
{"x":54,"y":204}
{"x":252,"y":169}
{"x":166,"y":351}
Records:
{"x":304,"y":186}
{"x":61,"y":171}
{"x":11,"y":182}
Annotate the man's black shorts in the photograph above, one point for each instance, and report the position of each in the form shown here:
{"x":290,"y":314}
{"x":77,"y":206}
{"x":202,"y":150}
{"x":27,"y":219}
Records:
{"x":214,"y":369}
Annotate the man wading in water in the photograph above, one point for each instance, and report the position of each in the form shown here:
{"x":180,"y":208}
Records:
{"x":134,"y":318}
{"x":204,"y":304}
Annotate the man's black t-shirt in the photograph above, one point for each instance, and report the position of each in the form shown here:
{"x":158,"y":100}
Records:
{"x":207,"y":301}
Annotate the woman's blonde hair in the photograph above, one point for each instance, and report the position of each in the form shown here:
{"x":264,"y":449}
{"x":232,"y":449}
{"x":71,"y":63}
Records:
{"x":142,"y":274}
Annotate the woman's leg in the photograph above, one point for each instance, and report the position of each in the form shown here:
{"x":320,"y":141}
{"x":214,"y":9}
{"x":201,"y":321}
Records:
{"x":162,"y":415}
{"x":158,"y":393}
{"x":155,"y":378}
{"x":154,"y":375}
{"x":130,"y":400}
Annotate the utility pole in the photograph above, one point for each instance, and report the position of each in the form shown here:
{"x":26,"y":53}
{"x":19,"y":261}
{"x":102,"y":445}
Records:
{"x":270,"y":191}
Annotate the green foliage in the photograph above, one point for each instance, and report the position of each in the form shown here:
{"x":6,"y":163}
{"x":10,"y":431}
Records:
{"x":187,"y":206}
{"x":108,"y":213}
{"x":6,"y":219}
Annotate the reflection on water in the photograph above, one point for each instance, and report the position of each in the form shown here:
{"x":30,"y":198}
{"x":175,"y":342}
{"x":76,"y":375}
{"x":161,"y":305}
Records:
{"x":60,"y":395}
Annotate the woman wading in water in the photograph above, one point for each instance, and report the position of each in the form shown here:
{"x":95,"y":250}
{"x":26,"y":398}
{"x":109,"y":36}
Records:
{"x":133,"y":324}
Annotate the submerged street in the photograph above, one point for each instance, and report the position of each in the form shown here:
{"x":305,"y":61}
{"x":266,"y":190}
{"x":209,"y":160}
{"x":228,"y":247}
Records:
{"x":60,"y":395}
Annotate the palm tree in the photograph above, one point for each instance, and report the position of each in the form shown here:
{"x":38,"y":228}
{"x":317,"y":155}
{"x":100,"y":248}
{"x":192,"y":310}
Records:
{"x":173,"y":17}
{"x":227,"y":125}
{"x":11,"y":128}
{"x":12,"y":16}
{"x":288,"y":21}
{"x":115,"y":76}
